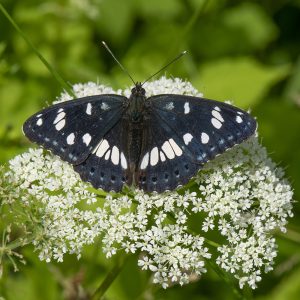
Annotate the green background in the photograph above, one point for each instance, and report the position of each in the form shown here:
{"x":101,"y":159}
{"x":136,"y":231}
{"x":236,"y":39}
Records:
{"x":245,"y":51}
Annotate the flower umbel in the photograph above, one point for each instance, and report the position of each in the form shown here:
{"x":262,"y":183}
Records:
{"x":240,"y":196}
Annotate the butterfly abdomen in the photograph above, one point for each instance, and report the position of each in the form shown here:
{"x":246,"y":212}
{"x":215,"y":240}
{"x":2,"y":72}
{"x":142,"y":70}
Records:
{"x":134,"y":143}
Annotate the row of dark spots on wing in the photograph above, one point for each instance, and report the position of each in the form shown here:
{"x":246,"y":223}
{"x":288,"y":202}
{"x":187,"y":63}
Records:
{"x":46,"y":142}
{"x":113,"y":178}
{"x":166,"y":177}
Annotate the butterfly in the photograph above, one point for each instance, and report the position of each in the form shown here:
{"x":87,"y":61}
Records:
{"x":156,"y":143}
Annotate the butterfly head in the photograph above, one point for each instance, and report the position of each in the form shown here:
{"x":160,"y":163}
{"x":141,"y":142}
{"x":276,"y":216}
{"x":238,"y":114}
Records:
{"x":138,"y":90}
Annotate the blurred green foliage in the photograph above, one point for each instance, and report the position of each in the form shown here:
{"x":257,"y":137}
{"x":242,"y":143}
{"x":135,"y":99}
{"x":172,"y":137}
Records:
{"x":245,"y":51}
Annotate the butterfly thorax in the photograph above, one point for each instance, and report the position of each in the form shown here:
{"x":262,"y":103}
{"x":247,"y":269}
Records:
{"x":136,"y":106}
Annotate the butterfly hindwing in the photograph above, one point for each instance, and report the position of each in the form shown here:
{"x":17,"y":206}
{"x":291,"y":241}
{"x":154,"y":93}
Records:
{"x":107,"y":167}
{"x":164,"y":163}
{"x":72,"y":129}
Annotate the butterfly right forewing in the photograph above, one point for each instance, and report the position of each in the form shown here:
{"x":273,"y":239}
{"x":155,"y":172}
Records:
{"x":205,"y":127}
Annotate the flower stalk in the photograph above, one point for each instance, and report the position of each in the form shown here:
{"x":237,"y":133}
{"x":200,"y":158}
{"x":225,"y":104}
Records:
{"x":110,"y":278}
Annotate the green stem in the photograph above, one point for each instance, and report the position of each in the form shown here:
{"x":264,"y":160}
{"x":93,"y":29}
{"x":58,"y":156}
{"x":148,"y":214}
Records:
{"x":189,"y":25}
{"x":226,"y":278}
{"x":247,"y":293}
{"x":109,"y":279}
{"x":200,"y":9}
{"x":18,"y":243}
{"x":56,"y":75}
{"x":291,"y":235}
{"x":212,"y":243}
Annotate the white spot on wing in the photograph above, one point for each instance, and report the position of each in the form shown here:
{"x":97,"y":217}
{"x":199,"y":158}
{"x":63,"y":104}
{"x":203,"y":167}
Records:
{"x":60,"y":125}
{"x":204,"y":138}
{"x":186,"y":107}
{"x":60,"y":110}
{"x":87,"y":139}
{"x":217,"y":115}
{"x":216,"y":123}
{"x":217,"y":108}
{"x":71,"y":139}
{"x":175,"y":147}
{"x":89,"y":109}
{"x":169,"y":106}
{"x":39,"y":122}
{"x":187,"y":138}
{"x":105,"y":106}
{"x":145,"y":161}
{"x":239,"y":119}
{"x":115,"y":155}
{"x":166,"y":147}
{"x":154,"y":156}
{"x":102,"y":148}
{"x":162,"y":156}
{"x":59,"y":117}
{"x":123,"y":161}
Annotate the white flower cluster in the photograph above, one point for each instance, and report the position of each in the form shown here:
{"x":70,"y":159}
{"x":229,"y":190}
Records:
{"x":245,"y":199}
{"x":240,"y":198}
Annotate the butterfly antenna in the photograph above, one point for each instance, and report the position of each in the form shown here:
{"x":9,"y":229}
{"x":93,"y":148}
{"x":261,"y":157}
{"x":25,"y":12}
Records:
{"x":110,"y":52}
{"x":164,"y":67}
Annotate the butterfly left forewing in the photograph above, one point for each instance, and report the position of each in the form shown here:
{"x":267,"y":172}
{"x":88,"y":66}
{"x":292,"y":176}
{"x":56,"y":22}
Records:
{"x":72,"y":129}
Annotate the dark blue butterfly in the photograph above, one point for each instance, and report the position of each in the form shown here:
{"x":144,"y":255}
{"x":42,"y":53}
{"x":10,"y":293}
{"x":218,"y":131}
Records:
{"x":155,"y":143}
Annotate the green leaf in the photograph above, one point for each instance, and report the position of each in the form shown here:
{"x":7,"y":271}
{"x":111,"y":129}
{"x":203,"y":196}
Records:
{"x":239,"y":29}
{"x":288,"y":288}
{"x":166,"y":9}
{"x":115,"y":19}
{"x":254,"y":24}
{"x":292,"y":89}
{"x":34,"y":282}
{"x":242,"y":80}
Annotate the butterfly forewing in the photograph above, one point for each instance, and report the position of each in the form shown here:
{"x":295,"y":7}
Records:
{"x":72,"y":129}
{"x":205,"y":128}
